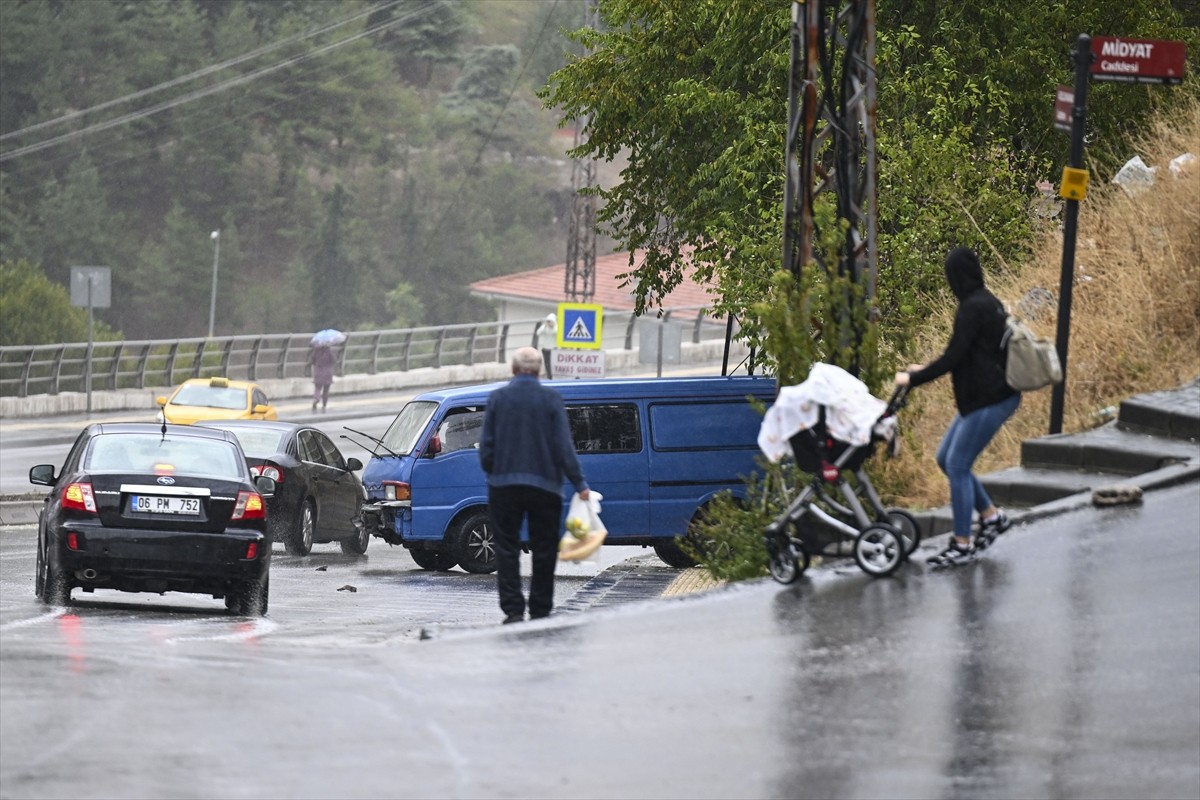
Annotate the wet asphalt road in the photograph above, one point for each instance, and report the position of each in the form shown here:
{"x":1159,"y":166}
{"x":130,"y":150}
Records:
{"x":1064,"y":664}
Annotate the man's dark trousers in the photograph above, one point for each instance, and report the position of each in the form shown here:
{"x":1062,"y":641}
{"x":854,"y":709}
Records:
{"x":508,"y":506}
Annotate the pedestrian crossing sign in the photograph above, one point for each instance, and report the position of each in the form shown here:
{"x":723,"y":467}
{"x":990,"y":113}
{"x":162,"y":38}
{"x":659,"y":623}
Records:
{"x":579,"y":325}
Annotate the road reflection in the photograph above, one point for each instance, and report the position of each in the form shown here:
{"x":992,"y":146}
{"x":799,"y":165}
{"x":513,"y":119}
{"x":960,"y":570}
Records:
{"x":70,"y":627}
{"x":899,"y":673}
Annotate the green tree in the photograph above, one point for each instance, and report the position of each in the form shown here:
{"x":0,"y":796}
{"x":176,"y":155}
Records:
{"x":486,"y":104}
{"x":428,"y":35}
{"x":404,"y":306}
{"x":334,"y":278}
{"x":78,"y":228}
{"x":36,"y":310}
{"x":172,"y":279}
{"x":693,"y":95}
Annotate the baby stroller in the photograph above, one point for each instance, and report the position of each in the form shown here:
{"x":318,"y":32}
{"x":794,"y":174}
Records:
{"x":832,"y":425}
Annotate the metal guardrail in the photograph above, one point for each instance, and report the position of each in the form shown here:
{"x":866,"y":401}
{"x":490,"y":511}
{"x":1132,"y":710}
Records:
{"x":53,"y":368}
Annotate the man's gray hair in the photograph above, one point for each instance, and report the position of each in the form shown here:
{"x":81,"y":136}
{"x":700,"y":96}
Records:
{"x":527,"y":360}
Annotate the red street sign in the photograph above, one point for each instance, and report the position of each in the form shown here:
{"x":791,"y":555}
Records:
{"x":1064,"y":102}
{"x":1137,"y":60}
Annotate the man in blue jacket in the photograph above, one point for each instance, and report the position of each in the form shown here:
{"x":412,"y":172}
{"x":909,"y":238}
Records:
{"x":526,"y":450}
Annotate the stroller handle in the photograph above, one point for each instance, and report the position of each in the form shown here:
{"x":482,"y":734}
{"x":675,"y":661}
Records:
{"x":896,"y":402}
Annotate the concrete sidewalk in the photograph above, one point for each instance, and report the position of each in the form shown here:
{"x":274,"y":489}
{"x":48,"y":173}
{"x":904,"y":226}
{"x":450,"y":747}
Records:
{"x":1154,"y":443}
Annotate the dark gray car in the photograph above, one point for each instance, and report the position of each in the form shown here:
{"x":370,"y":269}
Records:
{"x":143,"y":507}
{"x":318,"y":498}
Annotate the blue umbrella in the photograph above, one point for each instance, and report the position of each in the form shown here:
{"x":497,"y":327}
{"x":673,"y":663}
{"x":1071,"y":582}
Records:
{"x":328,"y":336}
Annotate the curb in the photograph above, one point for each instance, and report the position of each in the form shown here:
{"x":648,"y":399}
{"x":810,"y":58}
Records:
{"x":1172,"y":475}
{"x":20,"y":512}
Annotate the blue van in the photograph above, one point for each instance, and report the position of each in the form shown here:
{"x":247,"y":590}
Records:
{"x":657,"y":449}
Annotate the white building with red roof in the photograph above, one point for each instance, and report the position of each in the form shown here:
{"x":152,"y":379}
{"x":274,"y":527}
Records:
{"x":531,"y":296}
{"x":534,"y":293}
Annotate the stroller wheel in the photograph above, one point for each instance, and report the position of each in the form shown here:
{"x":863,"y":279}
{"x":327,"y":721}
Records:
{"x":906,"y":523}
{"x":788,"y":562}
{"x":879,"y":550}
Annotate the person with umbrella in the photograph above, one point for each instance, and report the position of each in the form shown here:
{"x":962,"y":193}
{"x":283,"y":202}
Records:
{"x":323,"y":361}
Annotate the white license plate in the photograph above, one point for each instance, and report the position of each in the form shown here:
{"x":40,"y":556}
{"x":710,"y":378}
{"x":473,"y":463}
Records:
{"x":155,"y":504}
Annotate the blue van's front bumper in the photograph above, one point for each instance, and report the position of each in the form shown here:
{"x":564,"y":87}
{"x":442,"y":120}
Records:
{"x":388,"y":519}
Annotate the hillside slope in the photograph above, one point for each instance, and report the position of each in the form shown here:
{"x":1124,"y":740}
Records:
{"x":1135,"y":318}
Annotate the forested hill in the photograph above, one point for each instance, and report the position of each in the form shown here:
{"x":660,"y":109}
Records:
{"x":363,"y":161}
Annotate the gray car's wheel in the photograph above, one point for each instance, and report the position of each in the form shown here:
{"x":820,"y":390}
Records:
{"x":879,"y":550}
{"x":56,"y":591}
{"x":299,"y":540}
{"x":473,"y":544}
{"x":433,"y":559}
{"x":357,"y":544}
{"x":249,"y":598}
{"x":39,"y":573}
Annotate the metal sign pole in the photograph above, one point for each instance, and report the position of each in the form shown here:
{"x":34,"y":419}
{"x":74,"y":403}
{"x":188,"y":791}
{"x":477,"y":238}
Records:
{"x":1083,"y":60}
{"x":660,"y":349}
{"x":91,"y":288}
{"x":87,"y":369}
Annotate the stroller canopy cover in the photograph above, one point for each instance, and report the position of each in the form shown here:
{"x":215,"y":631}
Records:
{"x":851,"y":411}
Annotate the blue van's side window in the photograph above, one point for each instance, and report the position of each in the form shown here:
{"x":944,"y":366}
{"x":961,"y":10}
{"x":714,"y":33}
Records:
{"x":728,"y":425}
{"x":605,"y":428}
{"x":461,"y":429}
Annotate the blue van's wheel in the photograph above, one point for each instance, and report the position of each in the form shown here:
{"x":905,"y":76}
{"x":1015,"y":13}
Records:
{"x":672,"y":554}
{"x":432,"y":559}
{"x":472,"y":543}
{"x":697,"y":540}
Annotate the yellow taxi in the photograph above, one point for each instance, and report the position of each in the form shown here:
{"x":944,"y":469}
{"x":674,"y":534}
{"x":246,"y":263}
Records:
{"x":215,"y":398}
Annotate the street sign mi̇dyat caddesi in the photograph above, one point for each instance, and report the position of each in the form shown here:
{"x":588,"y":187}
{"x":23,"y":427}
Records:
{"x":1137,"y":60}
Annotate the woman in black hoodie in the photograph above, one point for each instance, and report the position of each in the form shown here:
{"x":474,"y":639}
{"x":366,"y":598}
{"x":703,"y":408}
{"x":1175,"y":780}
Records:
{"x":975,"y":361}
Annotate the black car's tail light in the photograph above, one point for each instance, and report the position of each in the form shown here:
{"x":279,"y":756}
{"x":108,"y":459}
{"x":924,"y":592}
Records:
{"x":251,"y":551}
{"x":79,"y":497}
{"x":268,"y":470}
{"x":74,"y":541}
{"x":249,"y":506}
{"x":397,"y":490}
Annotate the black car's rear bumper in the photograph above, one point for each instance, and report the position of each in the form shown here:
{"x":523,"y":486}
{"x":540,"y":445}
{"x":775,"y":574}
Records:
{"x":139,"y":560}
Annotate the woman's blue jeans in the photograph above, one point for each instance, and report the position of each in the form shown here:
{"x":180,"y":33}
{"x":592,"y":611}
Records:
{"x":964,"y":441}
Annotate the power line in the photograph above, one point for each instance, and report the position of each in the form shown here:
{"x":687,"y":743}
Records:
{"x":200,"y":73}
{"x":205,"y":92}
{"x":14,"y":174}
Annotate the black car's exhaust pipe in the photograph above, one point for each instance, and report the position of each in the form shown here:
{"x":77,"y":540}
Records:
{"x":88,"y":574}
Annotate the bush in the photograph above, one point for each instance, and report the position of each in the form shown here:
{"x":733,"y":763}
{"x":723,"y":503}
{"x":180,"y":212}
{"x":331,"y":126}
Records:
{"x":728,"y":543}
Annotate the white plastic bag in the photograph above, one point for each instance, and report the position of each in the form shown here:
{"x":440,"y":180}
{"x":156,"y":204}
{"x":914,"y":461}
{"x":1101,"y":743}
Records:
{"x":585,"y":531}
{"x":1135,"y":177}
{"x":1181,"y":164}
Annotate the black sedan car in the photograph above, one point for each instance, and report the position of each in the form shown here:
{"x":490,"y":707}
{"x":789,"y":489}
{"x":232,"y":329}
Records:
{"x":318,"y":498}
{"x":143,"y":507}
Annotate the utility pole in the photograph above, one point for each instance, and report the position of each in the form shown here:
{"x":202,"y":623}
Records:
{"x":831,"y":141}
{"x":579,"y":282}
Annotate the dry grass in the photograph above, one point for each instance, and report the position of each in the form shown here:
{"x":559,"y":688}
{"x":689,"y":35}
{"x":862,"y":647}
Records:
{"x":1135,"y":319}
